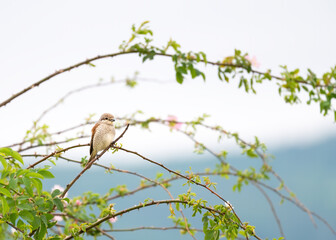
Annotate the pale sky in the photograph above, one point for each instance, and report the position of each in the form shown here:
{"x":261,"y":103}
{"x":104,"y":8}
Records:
{"x":39,"y":37}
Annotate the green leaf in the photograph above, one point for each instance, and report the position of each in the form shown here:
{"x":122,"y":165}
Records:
{"x":13,"y":217}
{"x":36,"y":223}
{"x":44,"y":220}
{"x":251,"y":153}
{"x":10,"y":152}
{"x":20,"y":224}
{"x":34,"y":174}
{"x":55,"y":193}
{"x":211,"y":235}
{"x":204,"y":57}
{"x":216,"y":235}
{"x":192,"y":70}
{"x":3,"y":162}
{"x":11,"y":203}
{"x":4,"y":206}
{"x":58,"y":204}
{"x":158,"y":175}
{"x":49,"y":216}
{"x":324,"y":107}
{"x":179,"y":77}
{"x":234,"y":187}
{"x":21,"y":172}
{"x":25,"y":206}
{"x":22,"y":198}
{"x":292,"y":194}
{"x":27,"y":183}
{"x":41,"y":232}
{"x":182,"y":69}
{"x":177,"y":205}
{"x":205,"y":220}
{"x":27,"y":215}
{"x":4,"y":191}
{"x":203,"y":75}
{"x":46,"y":173}
{"x":38,"y":185}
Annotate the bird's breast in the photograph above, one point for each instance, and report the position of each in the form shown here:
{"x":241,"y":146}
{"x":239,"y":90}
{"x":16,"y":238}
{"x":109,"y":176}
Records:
{"x":104,"y":136}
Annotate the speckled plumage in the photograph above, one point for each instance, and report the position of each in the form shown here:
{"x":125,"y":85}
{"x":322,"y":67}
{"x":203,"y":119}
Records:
{"x":103,"y":133}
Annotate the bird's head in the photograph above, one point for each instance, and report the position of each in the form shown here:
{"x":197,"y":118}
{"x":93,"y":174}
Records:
{"x":107,"y":117}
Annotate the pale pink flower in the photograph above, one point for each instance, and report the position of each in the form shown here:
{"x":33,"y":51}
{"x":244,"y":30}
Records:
{"x":113,"y":220}
{"x":173,"y":122}
{"x":57,"y":218}
{"x":56,"y":186}
{"x":78,"y":202}
{"x":254,"y":62}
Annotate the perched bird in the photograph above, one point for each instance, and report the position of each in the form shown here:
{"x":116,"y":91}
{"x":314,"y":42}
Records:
{"x":103,"y":133}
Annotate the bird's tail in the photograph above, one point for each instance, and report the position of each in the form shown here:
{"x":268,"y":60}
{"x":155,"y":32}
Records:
{"x":92,"y":156}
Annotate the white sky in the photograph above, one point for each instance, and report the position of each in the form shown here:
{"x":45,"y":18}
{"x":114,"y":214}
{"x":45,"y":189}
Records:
{"x":39,"y":37}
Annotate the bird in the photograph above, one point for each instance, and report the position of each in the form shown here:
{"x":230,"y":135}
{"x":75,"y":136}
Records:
{"x":103,"y":133}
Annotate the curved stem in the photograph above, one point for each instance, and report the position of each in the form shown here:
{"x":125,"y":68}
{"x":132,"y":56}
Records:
{"x":187,"y":178}
{"x":85,"y":62}
{"x":88,"y":61}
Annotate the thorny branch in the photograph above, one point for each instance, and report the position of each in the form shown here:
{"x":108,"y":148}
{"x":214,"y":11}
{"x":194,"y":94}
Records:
{"x":90,"y":60}
{"x":143,"y":228}
{"x":142,"y":205}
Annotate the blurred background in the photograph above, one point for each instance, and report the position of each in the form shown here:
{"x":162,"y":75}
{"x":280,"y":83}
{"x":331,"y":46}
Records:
{"x":40,"y":37}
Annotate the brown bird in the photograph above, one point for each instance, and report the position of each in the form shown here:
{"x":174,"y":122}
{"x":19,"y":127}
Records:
{"x":103,"y":133}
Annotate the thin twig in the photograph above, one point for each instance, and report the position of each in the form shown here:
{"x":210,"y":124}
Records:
{"x":16,"y":228}
{"x":52,"y":143}
{"x":152,"y":228}
{"x":55,"y":153}
{"x":272,"y":208}
{"x":295,"y":198}
{"x":104,"y":233}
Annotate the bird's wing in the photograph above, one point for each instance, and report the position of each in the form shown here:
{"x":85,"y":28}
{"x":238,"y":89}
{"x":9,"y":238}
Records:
{"x":92,"y":136}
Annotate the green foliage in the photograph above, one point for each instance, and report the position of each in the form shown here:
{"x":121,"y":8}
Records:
{"x":24,"y":204}
{"x":318,"y":89}
{"x":217,"y":225}
{"x":8,"y":152}
{"x":38,"y":134}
